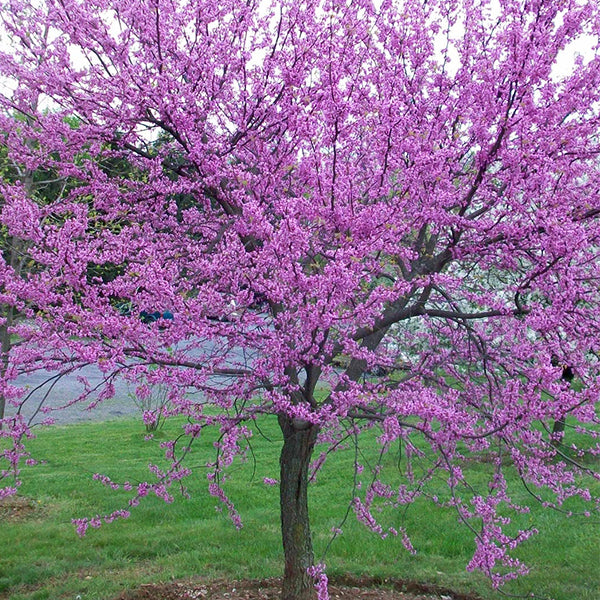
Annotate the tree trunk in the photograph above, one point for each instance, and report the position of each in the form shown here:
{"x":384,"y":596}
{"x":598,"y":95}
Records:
{"x":4,"y":350}
{"x":298,"y":443}
{"x":558,"y":431}
{"x":14,"y":256}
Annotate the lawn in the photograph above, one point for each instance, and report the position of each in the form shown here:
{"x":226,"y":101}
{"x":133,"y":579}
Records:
{"x":42,"y":557}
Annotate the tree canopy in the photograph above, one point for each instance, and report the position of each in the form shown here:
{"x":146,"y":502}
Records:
{"x":357,"y":215}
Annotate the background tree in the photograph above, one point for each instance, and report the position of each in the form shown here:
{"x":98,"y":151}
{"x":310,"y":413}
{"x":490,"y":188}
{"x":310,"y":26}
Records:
{"x":40,"y":186}
{"x":340,"y":189}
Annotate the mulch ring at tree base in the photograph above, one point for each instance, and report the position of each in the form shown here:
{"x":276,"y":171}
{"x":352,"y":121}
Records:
{"x":346,"y":588}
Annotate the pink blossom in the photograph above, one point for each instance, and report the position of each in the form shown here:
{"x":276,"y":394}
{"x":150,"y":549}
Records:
{"x":321,"y":581}
{"x":387,"y":234}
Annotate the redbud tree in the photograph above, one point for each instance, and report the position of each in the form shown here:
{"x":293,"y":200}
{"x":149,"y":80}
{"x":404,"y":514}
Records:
{"x":360,"y":216}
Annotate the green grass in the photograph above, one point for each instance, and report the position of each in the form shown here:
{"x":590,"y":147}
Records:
{"x":42,"y":557}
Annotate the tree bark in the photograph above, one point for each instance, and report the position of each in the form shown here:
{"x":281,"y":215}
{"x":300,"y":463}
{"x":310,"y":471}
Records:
{"x":298,"y":444}
{"x":14,"y":258}
{"x":558,"y":430}
{"x":5,"y":345}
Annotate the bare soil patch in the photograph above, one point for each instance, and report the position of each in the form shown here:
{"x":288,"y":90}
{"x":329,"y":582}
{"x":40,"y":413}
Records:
{"x":344,"y":588}
{"x":17,"y":508}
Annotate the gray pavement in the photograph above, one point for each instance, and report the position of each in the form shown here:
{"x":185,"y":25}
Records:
{"x":44,"y":389}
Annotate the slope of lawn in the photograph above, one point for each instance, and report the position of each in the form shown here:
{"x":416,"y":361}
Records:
{"x":42,"y":556}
